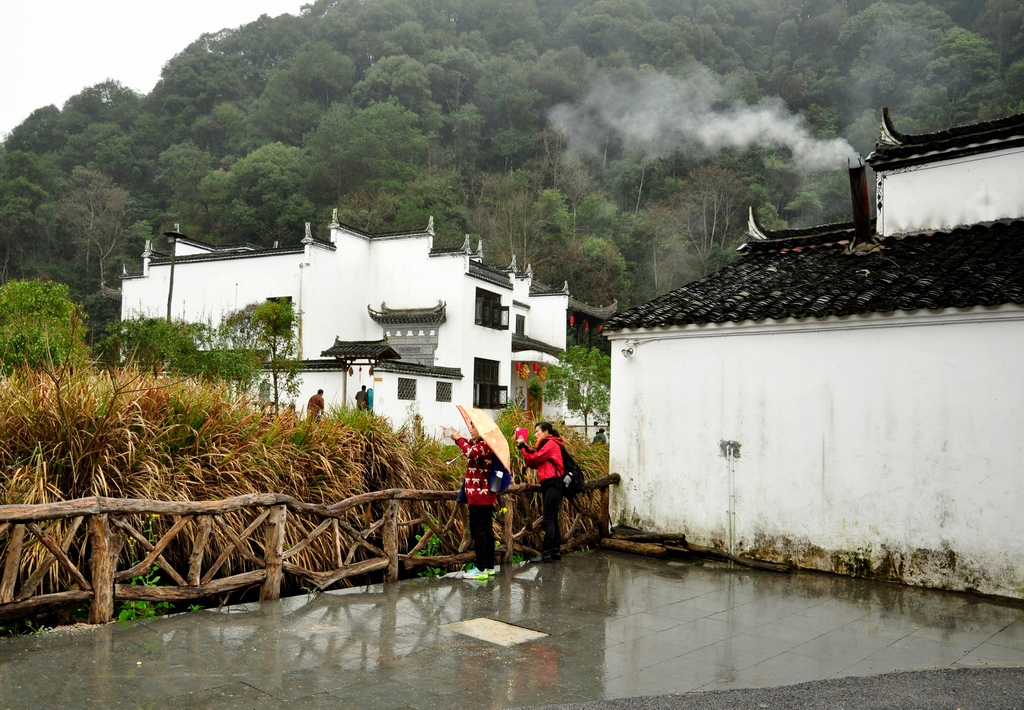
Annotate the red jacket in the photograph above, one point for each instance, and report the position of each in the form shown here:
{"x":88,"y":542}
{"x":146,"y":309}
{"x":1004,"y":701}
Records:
{"x":547,"y":459}
{"x":478,"y":471}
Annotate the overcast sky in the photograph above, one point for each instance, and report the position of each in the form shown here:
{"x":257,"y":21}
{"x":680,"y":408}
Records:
{"x":52,"y":50}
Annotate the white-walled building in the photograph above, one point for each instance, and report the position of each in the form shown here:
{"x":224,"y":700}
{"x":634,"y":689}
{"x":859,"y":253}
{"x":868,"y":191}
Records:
{"x":463,"y":329}
{"x":844,"y":404}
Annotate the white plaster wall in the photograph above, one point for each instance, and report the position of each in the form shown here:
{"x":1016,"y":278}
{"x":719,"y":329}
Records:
{"x":853,"y":440}
{"x":951,"y":193}
{"x":546,"y":321}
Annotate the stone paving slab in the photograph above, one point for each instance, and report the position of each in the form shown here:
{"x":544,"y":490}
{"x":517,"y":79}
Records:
{"x":617,"y":627}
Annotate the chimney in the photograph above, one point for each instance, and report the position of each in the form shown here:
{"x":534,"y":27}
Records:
{"x":861,"y":204}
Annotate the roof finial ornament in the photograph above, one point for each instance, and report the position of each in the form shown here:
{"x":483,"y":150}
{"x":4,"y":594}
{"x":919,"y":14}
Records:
{"x":177,"y":228}
{"x":887,"y":133}
{"x":754,"y":230}
{"x":308,"y":239}
{"x":480,"y":249}
{"x":430,"y":225}
{"x":466,"y":247}
{"x":513,"y":267}
{"x":529,"y":271}
{"x":148,"y":252}
{"x":565,"y":287}
{"x":334,"y":220}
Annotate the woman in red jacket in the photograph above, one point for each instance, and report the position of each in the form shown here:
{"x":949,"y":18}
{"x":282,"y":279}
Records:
{"x":546,"y":457}
{"x":480,"y":501}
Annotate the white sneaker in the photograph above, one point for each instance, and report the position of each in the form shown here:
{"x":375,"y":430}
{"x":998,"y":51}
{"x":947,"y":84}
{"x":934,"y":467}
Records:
{"x":474,"y":574}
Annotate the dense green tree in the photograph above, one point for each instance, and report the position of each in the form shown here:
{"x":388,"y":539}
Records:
{"x":582,"y":380}
{"x":396,"y":110}
{"x":39,"y":326}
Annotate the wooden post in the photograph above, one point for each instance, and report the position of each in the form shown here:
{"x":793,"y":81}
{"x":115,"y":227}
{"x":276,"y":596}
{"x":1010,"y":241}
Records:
{"x":390,"y":532}
{"x":102,"y":565}
{"x":195,"y":560}
{"x":273,"y":551}
{"x":507,"y":536}
{"x":606,"y":514}
{"x":12,"y":565}
{"x":336,"y":534}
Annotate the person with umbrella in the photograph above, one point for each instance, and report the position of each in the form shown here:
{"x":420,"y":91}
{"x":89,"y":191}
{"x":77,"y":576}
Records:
{"x":487,"y":444}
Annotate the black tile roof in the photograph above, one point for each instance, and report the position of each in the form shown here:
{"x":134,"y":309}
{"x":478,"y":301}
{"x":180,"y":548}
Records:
{"x":491,"y":275}
{"x":896,"y":150}
{"x":434,"y":315}
{"x":360,"y":349}
{"x":818,"y":276}
{"x":522,"y":342}
{"x":402,"y":367}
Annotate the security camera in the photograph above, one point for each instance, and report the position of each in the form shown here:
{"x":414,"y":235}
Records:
{"x":629,"y":350}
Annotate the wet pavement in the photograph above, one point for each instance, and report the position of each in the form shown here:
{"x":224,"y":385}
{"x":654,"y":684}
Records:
{"x":616,"y":627}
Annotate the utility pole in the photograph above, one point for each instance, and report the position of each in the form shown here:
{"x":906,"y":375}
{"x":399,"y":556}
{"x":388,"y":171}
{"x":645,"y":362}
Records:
{"x":170,"y":285}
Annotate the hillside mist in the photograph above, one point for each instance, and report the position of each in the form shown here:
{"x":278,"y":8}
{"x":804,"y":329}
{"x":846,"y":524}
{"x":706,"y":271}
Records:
{"x":616,"y":144}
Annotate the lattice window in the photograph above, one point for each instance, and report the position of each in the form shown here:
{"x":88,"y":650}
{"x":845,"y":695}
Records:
{"x":406,"y":388}
{"x":444,"y":392}
{"x":487,"y":393}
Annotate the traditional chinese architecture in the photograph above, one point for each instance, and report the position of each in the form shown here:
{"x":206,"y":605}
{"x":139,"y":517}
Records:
{"x":425,"y":328}
{"x":847,"y":397}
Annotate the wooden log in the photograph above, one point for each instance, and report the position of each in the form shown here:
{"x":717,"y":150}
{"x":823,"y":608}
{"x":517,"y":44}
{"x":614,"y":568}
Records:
{"x":437,"y":560}
{"x":22,"y":608}
{"x":646,"y":549}
{"x":158,"y":548}
{"x":103,"y":564}
{"x":235,"y":542}
{"x":62,"y":558}
{"x":322,"y":580}
{"x":273,"y":550}
{"x":138,"y":592}
{"x":414,"y":521}
{"x":507,"y":536}
{"x":530,"y":552}
{"x":3,"y":528}
{"x":722,"y":555}
{"x":12,"y":565}
{"x":195,"y":560}
{"x":391,"y":540}
{"x":308,"y":540}
{"x":29,"y":587}
{"x":161,"y":562}
{"x":605,"y":524}
{"x":336,"y":534}
{"x":649,"y":537}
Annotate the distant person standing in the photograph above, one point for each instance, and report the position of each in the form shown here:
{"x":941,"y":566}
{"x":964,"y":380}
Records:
{"x":315,"y":406}
{"x":600,"y":438}
{"x":362,"y":399}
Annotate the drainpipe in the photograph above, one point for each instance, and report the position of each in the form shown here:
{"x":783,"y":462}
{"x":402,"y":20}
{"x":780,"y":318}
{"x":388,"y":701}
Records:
{"x":170,"y":284}
{"x":730,"y":452}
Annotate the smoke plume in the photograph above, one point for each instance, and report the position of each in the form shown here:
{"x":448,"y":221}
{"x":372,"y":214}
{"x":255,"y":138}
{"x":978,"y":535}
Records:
{"x":659,"y":115}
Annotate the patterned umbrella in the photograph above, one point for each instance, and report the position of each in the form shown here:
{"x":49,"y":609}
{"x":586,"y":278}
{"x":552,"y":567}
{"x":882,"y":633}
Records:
{"x":489,"y":432}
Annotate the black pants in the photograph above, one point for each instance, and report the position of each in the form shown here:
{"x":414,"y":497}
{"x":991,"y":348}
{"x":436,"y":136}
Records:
{"x":483,"y":534}
{"x":552,"y":491}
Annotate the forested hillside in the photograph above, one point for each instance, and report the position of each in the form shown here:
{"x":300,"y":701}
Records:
{"x":616,"y":143}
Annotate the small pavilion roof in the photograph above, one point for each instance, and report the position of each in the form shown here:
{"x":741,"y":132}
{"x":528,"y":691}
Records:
{"x":353,"y":350}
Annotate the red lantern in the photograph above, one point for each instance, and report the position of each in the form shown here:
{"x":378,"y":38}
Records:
{"x":599,"y":328}
{"x":586,"y":325}
{"x":536,"y":367}
{"x":572,"y":320}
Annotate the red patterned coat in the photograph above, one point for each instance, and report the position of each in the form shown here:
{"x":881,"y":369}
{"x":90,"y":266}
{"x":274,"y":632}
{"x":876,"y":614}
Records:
{"x":478,"y":471}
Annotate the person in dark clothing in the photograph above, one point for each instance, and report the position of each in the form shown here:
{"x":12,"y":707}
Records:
{"x":600,"y":437}
{"x":480,"y":501}
{"x":362,"y":399}
{"x":546,"y":457}
{"x":315,"y":406}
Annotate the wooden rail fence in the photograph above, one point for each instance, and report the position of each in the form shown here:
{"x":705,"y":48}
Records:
{"x":104,"y":550}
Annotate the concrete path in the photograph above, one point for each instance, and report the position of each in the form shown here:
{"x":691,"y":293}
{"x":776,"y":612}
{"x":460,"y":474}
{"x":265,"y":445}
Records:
{"x":617,"y":627}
